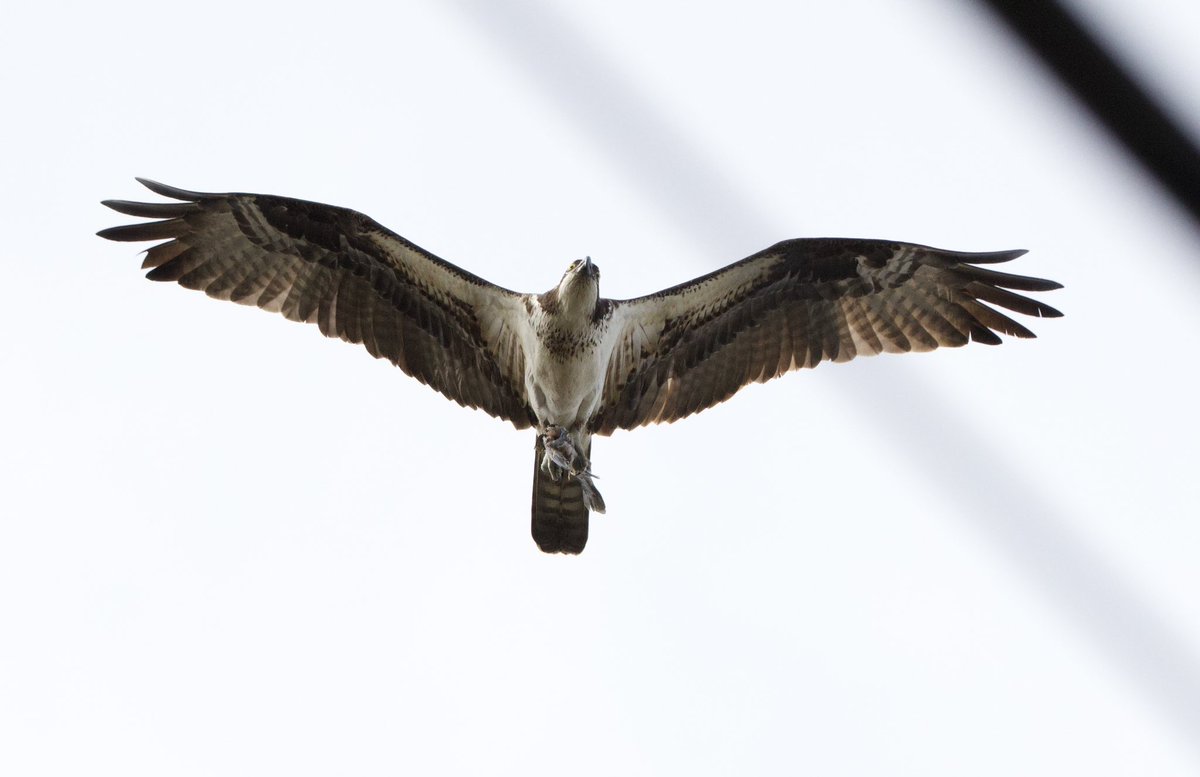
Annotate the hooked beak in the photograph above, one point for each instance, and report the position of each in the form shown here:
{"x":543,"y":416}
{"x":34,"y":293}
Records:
{"x":588,"y":268}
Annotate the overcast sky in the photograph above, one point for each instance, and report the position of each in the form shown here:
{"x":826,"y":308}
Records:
{"x":231,"y":546}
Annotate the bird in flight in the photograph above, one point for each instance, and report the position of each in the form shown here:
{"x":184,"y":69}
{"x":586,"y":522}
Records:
{"x":568,"y":362}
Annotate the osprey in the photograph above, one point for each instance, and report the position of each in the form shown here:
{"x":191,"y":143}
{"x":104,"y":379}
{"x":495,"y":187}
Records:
{"x":569,"y":362}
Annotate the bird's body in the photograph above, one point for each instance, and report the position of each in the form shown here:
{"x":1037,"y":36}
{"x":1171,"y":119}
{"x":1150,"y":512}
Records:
{"x":569,"y":362}
{"x":567,"y":344}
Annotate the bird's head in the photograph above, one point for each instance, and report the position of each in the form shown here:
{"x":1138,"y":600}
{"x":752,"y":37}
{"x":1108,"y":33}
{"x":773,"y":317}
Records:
{"x":583,"y":269}
{"x":579,"y":289}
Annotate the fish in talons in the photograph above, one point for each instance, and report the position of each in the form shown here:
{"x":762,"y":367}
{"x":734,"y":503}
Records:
{"x":564,"y":458}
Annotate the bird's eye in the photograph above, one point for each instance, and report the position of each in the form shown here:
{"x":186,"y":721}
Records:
{"x":574,"y":265}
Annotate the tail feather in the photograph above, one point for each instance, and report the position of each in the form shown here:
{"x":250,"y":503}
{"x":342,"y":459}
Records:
{"x":560,"y":517}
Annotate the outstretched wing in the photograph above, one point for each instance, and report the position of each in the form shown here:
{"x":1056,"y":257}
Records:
{"x":796,"y":304}
{"x":351,"y":277}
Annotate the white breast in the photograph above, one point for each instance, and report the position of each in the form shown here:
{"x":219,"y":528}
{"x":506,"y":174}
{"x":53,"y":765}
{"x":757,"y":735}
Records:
{"x":564,"y":372}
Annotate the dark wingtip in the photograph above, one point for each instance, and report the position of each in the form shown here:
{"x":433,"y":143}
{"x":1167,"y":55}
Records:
{"x":991,"y":257}
{"x":1027,"y":283}
{"x":171,"y":191}
{"x":151,"y":209}
{"x":151,"y":230}
{"x":112,"y":233}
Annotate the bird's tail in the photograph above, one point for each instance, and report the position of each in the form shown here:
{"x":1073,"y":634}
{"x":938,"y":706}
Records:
{"x":560,"y":517}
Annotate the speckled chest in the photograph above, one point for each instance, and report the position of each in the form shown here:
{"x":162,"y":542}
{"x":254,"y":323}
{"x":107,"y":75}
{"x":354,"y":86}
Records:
{"x":566,"y":373}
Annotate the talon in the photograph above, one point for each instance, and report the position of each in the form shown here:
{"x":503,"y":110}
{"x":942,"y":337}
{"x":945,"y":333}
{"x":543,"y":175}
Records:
{"x":564,"y":457}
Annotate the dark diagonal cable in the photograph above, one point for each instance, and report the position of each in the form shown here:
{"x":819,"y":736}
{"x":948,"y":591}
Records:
{"x":1113,"y":96}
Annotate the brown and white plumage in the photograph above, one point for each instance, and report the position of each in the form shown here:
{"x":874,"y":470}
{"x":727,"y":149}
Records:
{"x":351,"y":277}
{"x":569,"y":360}
{"x":797,"y":304}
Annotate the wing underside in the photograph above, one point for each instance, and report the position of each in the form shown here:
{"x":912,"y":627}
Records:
{"x":797,"y":304}
{"x":353,"y":278}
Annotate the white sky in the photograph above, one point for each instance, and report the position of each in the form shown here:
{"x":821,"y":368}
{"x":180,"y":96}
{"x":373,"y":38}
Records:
{"x":230,"y":546}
